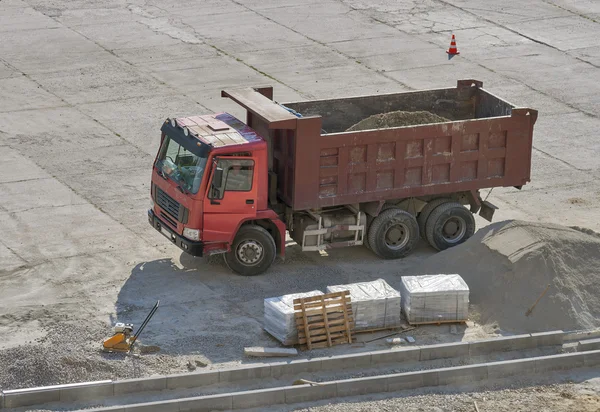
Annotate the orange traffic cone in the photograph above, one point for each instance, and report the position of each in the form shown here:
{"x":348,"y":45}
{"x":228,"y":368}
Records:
{"x":453,"y":50}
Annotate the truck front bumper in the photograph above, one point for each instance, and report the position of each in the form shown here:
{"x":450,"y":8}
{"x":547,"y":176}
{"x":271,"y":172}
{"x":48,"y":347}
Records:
{"x":188,"y":246}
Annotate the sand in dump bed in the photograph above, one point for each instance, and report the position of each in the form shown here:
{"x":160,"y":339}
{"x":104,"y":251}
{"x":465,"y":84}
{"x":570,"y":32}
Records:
{"x":507,"y":266}
{"x":397,"y":119}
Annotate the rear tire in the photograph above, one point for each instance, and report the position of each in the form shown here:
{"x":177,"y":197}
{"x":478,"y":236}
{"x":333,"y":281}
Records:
{"x":449,"y":224}
{"x":393,"y":234}
{"x":253,"y":251}
{"x":426,"y":211}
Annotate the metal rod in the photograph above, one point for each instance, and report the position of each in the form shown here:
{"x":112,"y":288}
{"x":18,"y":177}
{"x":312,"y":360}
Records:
{"x":144,"y":323}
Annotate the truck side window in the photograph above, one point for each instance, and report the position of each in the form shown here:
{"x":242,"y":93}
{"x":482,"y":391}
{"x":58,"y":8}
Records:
{"x":237,"y":177}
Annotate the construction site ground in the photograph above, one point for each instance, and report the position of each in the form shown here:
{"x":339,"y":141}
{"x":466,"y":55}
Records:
{"x":85,"y":86}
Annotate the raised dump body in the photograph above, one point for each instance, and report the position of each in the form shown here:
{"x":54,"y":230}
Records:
{"x":486,"y":143}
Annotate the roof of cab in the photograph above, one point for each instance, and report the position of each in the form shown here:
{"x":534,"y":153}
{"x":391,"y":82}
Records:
{"x":219,"y":130}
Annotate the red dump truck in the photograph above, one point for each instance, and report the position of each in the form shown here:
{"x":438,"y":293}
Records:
{"x":220,"y":185}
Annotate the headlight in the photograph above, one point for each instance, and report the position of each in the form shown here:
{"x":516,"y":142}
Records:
{"x":191,"y":234}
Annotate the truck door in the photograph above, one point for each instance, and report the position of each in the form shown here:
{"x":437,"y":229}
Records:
{"x":231,"y":197}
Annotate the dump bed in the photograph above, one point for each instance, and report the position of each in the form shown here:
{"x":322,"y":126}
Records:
{"x":316,"y":163}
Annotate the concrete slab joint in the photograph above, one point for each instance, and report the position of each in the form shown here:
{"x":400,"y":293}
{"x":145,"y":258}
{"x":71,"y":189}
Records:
{"x":257,"y":398}
{"x":503,"y":369}
{"x":588,"y":344}
{"x":308,"y":393}
{"x":504,"y":343}
{"x":192,"y":380}
{"x":245,"y":373}
{"x":206,"y":403}
{"x":345,"y":361}
{"x":446,"y":350}
{"x":559,"y":362}
{"x":551,"y":338}
{"x":362,"y":386}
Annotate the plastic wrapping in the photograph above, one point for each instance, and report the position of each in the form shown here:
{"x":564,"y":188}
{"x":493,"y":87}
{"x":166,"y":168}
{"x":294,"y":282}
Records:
{"x":375,"y":304}
{"x":279,"y":316}
{"x":434,"y":298}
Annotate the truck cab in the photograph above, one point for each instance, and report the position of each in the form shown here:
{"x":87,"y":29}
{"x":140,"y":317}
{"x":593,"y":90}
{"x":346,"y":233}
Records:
{"x":208,"y":179}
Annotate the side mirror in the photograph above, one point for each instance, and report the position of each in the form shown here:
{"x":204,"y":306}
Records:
{"x":217,"y":178}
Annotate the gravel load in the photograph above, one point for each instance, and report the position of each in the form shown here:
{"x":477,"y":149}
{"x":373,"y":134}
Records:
{"x":508,"y":265}
{"x":396,"y":119}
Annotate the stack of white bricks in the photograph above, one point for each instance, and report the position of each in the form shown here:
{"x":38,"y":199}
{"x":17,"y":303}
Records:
{"x":280,"y":320}
{"x":375,"y":305}
{"x":434,"y":298}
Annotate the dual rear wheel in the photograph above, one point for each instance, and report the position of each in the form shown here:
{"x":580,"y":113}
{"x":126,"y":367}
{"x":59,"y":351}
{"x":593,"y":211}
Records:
{"x":394,"y":233}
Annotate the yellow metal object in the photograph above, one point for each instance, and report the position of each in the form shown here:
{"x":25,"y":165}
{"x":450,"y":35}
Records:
{"x":123,"y":338}
{"x":119,"y":342}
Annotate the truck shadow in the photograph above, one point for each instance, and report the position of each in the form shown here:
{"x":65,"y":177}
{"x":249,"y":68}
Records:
{"x":211,"y":314}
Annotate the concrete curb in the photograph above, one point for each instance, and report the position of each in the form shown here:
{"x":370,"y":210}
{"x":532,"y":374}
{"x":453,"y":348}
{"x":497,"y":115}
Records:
{"x":412,"y":354}
{"x":45,"y":394}
{"x":590,"y":344}
{"x":374,"y":384}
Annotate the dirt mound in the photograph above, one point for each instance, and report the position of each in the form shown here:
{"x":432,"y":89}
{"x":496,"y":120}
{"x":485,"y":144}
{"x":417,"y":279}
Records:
{"x":508,"y":265}
{"x":396,"y":119}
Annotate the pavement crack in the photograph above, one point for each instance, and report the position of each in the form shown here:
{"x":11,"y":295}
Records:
{"x":561,"y":160}
{"x":231,"y":56}
{"x":378,"y":72}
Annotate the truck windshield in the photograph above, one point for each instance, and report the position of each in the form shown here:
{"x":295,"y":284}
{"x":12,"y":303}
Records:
{"x":180,"y":165}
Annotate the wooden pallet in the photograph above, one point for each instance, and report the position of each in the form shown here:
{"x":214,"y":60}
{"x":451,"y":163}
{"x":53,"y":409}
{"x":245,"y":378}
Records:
{"x":324,"y":320}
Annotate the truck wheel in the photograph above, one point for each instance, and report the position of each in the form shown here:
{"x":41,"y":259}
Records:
{"x":426,"y":211}
{"x":252,"y":252}
{"x":448,"y":225}
{"x":393,"y":234}
{"x":366,"y":234}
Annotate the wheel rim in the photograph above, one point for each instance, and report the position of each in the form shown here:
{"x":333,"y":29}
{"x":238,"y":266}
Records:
{"x":249,"y":252}
{"x":397,"y":236}
{"x":454,"y":229}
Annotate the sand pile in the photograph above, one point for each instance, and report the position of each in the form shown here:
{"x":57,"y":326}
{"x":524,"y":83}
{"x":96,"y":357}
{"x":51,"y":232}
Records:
{"x":507,"y":266}
{"x":397,"y":119}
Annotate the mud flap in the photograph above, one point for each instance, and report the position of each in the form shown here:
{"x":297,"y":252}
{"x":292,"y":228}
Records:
{"x":487,"y":210}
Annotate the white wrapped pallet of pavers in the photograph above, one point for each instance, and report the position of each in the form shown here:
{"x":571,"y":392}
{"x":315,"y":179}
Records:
{"x":280,"y":319}
{"x":434,"y":298}
{"x":375,"y":304}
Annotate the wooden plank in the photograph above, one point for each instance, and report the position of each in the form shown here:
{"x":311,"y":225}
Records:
{"x":323,"y":338}
{"x":324,"y":320}
{"x":347,"y":324}
{"x":320,"y":331}
{"x":333,"y":322}
{"x":318,"y":299}
{"x":328,"y":302}
{"x":316,"y":312}
{"x":319,"y":319}
{"x":324,"y":308}
{"x":306,"y":330}
{"x":324,"y":344}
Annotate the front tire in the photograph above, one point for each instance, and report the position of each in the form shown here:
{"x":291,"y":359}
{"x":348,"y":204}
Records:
{"x":393,"y":234}
{"x":253,"y":251}
{"x":448,"y":225}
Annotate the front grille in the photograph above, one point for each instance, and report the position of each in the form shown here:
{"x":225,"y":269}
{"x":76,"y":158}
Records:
{"x":168,"y":219}
{"x":167,"y":203}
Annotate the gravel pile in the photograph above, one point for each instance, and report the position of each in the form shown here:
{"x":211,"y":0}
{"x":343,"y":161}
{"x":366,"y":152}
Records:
{"x":397,"y":119}
{"x":508,"y":265}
